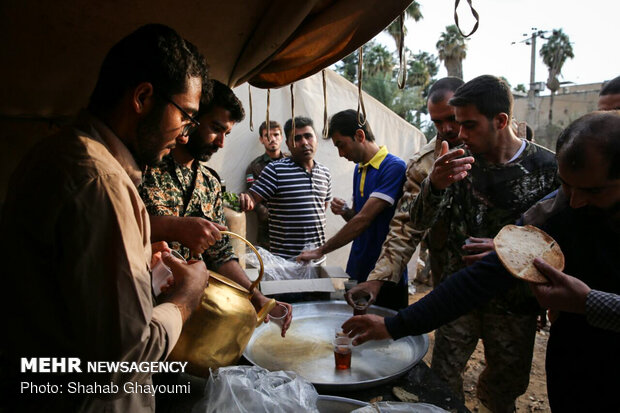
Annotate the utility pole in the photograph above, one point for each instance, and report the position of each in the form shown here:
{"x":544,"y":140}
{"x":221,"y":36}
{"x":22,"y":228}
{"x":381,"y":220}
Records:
{"x":531,"y":94}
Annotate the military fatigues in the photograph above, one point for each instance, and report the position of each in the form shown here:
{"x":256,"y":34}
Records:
{"x":174,"y":189}
{"x":402,"y":240}
{"x":262,"y":213}
{"x":490,"y":197}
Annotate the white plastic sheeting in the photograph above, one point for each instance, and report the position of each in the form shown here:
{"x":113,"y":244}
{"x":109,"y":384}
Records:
{"x":242,"y":145}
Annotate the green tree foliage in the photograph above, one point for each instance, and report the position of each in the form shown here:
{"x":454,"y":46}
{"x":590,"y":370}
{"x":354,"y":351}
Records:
{"x":377,"y":60}
{"x":520,"y":88}
{"x":452,"y":49}
{"x":422,"y":67}
{"x":411,"y":12}
{"x":554,"y":53}
{"x":380,"y":73}
{"x":379,"y":79}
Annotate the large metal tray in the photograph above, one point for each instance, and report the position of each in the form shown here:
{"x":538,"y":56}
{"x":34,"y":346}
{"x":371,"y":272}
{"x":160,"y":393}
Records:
{"x":307,"y":349}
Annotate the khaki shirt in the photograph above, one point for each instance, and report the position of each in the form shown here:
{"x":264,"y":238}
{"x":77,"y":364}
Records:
{"x":79,"y":240}
{"x":402,"y":240}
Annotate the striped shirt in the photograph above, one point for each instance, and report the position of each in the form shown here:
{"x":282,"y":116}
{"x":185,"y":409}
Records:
{"x":296,"y":201}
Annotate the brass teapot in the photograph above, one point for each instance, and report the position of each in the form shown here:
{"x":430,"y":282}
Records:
{"x":217,"y":332}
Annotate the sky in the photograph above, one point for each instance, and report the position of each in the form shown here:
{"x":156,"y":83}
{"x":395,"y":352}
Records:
{"x":591,"y":25}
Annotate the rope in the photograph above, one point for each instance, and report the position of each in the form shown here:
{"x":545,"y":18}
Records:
{"x":360,"y":95}
{"x":402,"y":69}
{"x":250,"y":98}
{"x":293,"y":113}
{"x":473,"y":12}
{"x":325,"y":123}
{"x":267,"y":114}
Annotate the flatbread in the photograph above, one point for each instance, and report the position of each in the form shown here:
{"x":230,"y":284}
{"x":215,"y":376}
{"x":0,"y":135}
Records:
{"x":517,"y":247}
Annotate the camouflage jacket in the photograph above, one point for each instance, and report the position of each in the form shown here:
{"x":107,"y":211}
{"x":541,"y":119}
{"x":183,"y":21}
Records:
{"x":402,"y":240}
{"x":251,"y":174}
{"x":490,"y":197}
{"x":165,"y":191}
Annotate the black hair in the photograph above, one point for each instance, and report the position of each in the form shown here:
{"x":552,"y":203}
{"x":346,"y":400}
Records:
{"x":272,"y":125}
{"x":599,"y":130}
{"x":154,"y":53}
{"x":611,"y":87}
{"x":300,"y":122}
{"x":437,"y":92}
{"x":223,"y":97}
{"x":489,"y":94}
{"x":346,"y":123}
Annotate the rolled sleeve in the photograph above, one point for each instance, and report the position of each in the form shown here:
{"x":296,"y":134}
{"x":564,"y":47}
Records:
{"x":169,"y":317}
{"x":402,"y":239}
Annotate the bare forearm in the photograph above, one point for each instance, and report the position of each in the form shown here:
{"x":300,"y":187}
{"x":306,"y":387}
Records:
{"x":163,"y":228}
{"x":352,"y":229}
{"x":348,"y":215}
{"x":262,"y":212}
{"x":233,"y":271}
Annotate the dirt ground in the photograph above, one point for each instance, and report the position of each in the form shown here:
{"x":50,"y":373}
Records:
{"x":534,"y":399}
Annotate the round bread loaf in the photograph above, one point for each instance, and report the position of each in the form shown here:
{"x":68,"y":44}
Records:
{"x":517,"y":247}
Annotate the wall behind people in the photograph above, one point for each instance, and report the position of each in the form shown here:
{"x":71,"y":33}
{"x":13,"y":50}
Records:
{"x":242,"y":145}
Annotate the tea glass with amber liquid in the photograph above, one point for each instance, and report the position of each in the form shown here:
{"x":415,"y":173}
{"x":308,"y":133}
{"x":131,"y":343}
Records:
{"x":343,"y":349}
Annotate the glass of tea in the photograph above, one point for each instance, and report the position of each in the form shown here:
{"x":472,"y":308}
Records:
{"x":343,"y":348}
{"x":361,"y":301}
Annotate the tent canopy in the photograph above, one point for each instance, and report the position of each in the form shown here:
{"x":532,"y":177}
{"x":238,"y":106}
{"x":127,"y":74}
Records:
{"x":52,"y":50}
{"x":242,"y":145}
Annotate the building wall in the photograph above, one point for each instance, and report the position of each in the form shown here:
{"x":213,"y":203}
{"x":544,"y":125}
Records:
{"x":569,"y":103}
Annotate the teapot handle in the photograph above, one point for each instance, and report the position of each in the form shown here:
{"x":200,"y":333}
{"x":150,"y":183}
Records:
{"x":261,"y":271}
{"x":263,"y":312}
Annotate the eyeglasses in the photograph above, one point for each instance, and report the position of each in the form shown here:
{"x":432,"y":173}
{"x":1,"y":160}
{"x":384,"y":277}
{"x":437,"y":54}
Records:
{"x":188,"y":128}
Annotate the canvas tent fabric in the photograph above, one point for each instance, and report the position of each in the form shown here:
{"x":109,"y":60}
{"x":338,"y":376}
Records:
{"x":242,"y":145}
{"x":52,"y":50}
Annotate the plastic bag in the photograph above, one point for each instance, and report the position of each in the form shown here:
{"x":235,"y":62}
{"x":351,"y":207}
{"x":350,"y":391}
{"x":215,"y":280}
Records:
{"x":252,"y":389}
{"x":278,"y":268}
{"x":399,"y":407}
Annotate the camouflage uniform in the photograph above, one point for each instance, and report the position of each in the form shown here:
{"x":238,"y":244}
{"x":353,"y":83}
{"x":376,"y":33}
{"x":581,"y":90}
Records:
{"x":262,"y":213}
{"x":165,"y":191}
{"x":402,"y":240}
{"x":490,"y":197}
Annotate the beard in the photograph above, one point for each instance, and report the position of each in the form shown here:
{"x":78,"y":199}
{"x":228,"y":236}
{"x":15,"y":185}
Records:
{"x":452,"y":138}
{"x":150,"y":140}
{"x":200,"y":151}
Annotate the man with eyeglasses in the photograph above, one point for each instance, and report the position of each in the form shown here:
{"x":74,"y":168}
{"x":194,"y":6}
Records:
{"x":184,"y":196}
{"x":79,"y":277}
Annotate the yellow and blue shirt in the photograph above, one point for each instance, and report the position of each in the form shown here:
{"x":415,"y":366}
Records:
{"x":382,"y":177}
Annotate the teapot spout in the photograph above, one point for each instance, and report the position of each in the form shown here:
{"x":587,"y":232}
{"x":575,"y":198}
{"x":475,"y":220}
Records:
{"x":262,"y":314}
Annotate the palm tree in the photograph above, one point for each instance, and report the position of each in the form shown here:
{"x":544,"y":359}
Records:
{"x":554,"y":54}
{"x":452,"y":50}
{"x":422,"y":68}
{"x":411,"y":12}
{"x":377,"y":61}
